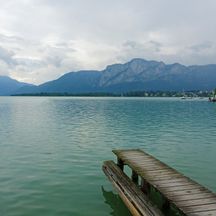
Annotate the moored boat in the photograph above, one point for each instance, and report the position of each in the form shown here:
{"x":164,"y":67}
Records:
{"x":213,"y":99}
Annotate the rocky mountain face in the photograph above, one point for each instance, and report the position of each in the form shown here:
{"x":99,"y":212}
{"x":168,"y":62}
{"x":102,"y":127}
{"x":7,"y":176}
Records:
{"x":139,"y":74}
{"x":136,"y":75}
{"x":134,"y":71}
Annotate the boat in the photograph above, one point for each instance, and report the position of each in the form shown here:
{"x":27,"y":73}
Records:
{"x":186,"y":98}
{"x":213,"y":99}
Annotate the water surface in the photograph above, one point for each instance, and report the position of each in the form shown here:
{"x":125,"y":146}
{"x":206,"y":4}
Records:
{"x":52,"y":149}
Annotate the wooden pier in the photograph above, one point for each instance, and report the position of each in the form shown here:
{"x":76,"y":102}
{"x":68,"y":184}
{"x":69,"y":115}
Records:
{"x":149,"y":175}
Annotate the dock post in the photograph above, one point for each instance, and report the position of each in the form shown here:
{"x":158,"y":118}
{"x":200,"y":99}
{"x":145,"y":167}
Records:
{"x":145,"y":187}
{"x":120,"y":164}
{"x":165,"y":205}
{"x":134,"y":177}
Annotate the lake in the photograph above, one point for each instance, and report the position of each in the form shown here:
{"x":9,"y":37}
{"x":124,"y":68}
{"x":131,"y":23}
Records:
{"x":52,"y":149}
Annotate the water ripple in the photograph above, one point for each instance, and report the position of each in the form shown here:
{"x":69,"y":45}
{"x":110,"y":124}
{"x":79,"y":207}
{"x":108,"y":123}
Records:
{"x":52,"y":149}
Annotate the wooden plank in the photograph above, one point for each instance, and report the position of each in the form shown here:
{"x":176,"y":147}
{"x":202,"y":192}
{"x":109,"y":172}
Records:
{"x":125,"y":194}
{"x":146,"y":166}
{"x":196,"y":202}
{"x":154,"y":175}
{"x":136,"y":201}
{"x":165,"y":177}
{"x":200,"y":208}
{"x":148,"y":163}
{"x":143,"y":171}
{"x":172,"y":179}
{"x":183,"y":188}
{"x":150,"y":167}
{"x":191,"y":196}
{"x":174,"y":184}
{"x":205,"y":213}
{"x":184,"y":192}
{"x":135,"y":163}
{"x":169,"y":171}
{"x":135,"y":152}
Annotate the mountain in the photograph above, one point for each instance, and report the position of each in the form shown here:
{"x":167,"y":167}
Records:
{"x":73,"y":82}
{"x":139,"y":74}
{"x":9,"y":86}
{"x":135,"y":75}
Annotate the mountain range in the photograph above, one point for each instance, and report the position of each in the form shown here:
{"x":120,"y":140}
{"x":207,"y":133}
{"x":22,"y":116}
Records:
{"x":10,"y":86}
{"x":135,"y":75}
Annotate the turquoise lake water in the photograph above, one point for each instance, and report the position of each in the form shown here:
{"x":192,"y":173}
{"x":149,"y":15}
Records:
{"x":52,"y":149}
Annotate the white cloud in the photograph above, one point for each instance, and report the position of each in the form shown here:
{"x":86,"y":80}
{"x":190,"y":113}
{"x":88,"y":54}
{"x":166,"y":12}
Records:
{"x":42,"y":39}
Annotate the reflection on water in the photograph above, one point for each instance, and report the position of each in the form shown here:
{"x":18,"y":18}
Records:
{"x":115,"y":203}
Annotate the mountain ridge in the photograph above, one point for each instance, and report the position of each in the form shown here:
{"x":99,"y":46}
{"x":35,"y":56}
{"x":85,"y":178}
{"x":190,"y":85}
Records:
{"x":136,"y":75}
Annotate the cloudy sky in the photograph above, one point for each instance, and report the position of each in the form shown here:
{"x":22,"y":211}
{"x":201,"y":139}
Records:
{"x":42,"y":39}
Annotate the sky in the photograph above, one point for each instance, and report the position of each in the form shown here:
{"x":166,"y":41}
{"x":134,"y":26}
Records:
{"x":40,"y":40}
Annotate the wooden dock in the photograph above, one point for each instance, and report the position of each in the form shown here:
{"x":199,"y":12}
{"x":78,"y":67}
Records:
{"x":177,"y":191}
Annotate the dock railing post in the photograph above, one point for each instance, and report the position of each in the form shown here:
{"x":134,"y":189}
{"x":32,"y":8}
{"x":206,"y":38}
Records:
{"x":145,"y":187}
{"x":120,"y":164}
{"x":165,"y":205}
{"x":134,"y":177}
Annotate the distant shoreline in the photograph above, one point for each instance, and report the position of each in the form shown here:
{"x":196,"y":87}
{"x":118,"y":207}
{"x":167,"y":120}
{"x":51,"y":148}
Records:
{"x":124,"y":94}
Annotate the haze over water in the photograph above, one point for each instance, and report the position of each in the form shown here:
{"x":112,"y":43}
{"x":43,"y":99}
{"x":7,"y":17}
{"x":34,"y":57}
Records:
{"x":52,"y":149}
